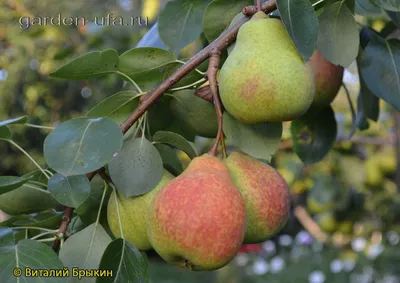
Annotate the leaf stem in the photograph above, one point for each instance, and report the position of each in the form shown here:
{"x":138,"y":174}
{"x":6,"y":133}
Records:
{"x":47,"y":240}
{"x":36,"y":188}
{"x":190,"y":85}
{"x":35,"y":228}
{"x":30,"y":157}
{"x":196,"y":70}
{"x":353,"y":112}
{"x":43,"y":234}
{"x":39,"y":126}
{"x":131,"y":81}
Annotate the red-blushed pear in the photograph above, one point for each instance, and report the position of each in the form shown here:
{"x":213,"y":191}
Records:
{"x":198,"y":220}
{"x":133,"y":212}
{"x":328,"y":79}
{"x":266,"y":194}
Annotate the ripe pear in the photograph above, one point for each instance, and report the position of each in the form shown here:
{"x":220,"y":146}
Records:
{"x":198,"y":220}
{"x":133,"y":212}
{"x":328,"y":79}
{"x":266,"y":194}
{"x":264,"y":78}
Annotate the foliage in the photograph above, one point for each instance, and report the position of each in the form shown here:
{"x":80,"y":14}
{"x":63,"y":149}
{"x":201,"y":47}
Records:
{"x":327,"y":173}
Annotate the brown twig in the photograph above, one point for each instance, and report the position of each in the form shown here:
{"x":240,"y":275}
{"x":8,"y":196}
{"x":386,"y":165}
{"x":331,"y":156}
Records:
{"x":215,"y":58}
{"x":310,"y":225}
{"x":259,"y":7}
{"x":267,"y":7}
{"x":221,"y":43}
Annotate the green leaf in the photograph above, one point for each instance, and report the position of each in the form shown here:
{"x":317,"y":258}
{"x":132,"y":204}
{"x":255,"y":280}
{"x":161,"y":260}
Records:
{"x":89,"y":65}
{"x":380,"y":69}
{"x":137,"y":169}
{"x":170,"y":160}
{"x":180,"y":23}
{"x":70,"y":191}
{"x":27,"y":254}
{"x":258,"y":140}
{"x":219,"y":14}
{"x":176,"y":141}
{"x":82,"y":145}
{"x":125,"y":261}
{"x":391,"y":5}
{"x":87,"y":211}
{"x":36,"y":176}
{"x":19,"y":120}
{"x":194,"y":114}
{"x":113,"y":104}
{"x":314,"y":135}
{"x":367,"y":8}
{"x":395,"y":16}
{"x":9,"y":222}
{"x":85,"y":249}
{"x":145,"y":64}
{"x":339,"y":47}
{"x":50,"y":220}
{"x":9,"y":183}
{"x":5,"y":133}
{"x":301,"y":22}
{"x":26,"y":200}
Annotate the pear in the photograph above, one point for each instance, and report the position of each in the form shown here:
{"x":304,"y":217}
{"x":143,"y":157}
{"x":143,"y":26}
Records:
{"x":266,"y":194}
{"x":198,"y":220}
{"x":328,"y":79}
{"x":264,"y":78}
{"x":133,"y":212}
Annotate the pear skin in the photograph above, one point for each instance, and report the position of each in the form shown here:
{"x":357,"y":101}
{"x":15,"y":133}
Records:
{"x":264,"y":78}
{"x":328,"y":79}
{"x":133,"y":212}
{"x":266,"y":194}
{"x":198,"y":220}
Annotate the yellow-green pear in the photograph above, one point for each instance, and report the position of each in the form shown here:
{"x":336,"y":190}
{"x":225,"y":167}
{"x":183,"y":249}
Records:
{"x":133,"y":213}
{"x":264,"y":78}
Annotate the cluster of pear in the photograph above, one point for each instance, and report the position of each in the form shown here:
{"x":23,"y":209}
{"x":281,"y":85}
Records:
{"x":265,"y":79}
{"x":201,"y":218}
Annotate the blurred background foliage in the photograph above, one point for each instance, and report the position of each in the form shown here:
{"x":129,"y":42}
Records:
{"x":345,"y":226}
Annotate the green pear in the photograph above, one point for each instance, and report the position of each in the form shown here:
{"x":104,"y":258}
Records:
{"x":133,"y":212}
{"x":198,"y":220}
{"x":328,"y":79}
{"x":264,"y":78}
{"x":266,"y":194}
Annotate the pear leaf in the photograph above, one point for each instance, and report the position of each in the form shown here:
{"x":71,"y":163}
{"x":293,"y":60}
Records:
{"x":113,"y":104}
{"x":85,"y":249}
{"x":82,"y":145}
{"x":395,"y":16}
{"x":125,"y":261}
{"x":89,"y":65}
{"x":145,"y":64}
{"x":180,"y":23}
{"x":26,"y":254}
{"x":340,"y":48}
{"x":18,"y":120}
{"x":314,"y":135}
{"x":176,"y":141}
{"x":219,"y":14}
{"x":50,"y":220}
{"x":391,"y":5}
{"x":170,"y":159}
{"x":5,"y":133}
{"x":137,"y":169}
{"x":301,"y":22}
{"x":9,"y":183}
{"x":70,"y":191}
{"x":258,"y":140}
{"x":380,"y":69}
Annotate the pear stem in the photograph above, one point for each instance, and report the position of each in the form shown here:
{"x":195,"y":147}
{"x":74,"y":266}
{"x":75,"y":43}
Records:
{"x":221,"y":43}
{"x":259,"y":6}
{"x":215,"y":58}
